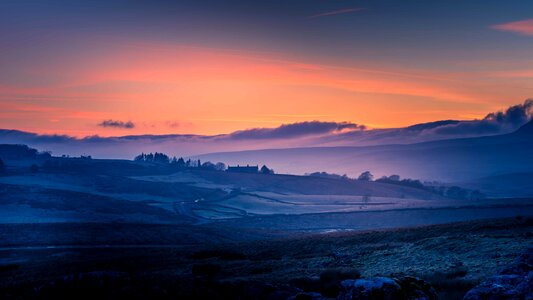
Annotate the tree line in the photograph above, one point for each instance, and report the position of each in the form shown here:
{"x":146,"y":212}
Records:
{"x":453,"y":192}
{"x":181,"y":163}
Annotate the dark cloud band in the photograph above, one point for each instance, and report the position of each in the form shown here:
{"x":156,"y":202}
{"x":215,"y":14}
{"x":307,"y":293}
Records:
{"x":117,"y":124}
{"x":296,"y":130}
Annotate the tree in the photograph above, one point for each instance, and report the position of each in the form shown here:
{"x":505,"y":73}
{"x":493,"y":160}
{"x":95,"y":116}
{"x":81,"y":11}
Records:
{"x":366,"y":176}
{"x":220,"y":166}
{"x":208,"y":165}
{"x":266,"y":170}
{"x":140,"y":157}
{"x":394,"y":178}
{"x":149,"y":157}
{"x":2,"y":166}
{"x":180,"y":163}
{"x":161,"y":158}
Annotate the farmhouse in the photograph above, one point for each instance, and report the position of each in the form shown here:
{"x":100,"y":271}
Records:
{"x":243,"y":169}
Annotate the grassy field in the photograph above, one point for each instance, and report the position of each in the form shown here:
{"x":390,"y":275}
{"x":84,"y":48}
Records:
{"x":453,"y":257}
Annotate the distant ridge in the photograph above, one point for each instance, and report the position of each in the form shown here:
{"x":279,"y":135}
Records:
{"x":526,"y":128}
{"x":431,"y":125}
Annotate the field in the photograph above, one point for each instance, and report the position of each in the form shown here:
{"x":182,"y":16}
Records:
{"x":452,"y":257}
{"x":116,"y":229}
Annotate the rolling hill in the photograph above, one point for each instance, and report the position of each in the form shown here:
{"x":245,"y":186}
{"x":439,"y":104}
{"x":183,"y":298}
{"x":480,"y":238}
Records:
{"x":445,"y":160}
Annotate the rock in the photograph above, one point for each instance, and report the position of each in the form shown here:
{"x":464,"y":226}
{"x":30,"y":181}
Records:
{"x":513,"y":282}
{"x":384,"y":288}
{"x":416,"y":288}
{"x":307,"y":296}
{"x":378,"y":288}
{"x":522,"y":264}
{"x":503,"y":287}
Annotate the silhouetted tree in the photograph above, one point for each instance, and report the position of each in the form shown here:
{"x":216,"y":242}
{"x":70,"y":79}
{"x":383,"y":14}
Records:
{"x":366,"y":176}
{"x":180,"y":163}
{"x":412,"y":183}
{"x":208,"y":165}
{"x":266,"y":170}
{"x":366,"y":198}
{"x":220,"y":166}
{"x":2,"y":166}
{"x":153,"y":157}
{"x":149,"y":157}
{"x":199,"y":164}
{"x":394,"y":178}
{"x":328,"y":175}
{"x":161,"y":158}
{"x":140,"y":157}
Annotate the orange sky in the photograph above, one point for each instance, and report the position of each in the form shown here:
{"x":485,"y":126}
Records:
{"x":176,"y":89}
{"x":203,"y":67}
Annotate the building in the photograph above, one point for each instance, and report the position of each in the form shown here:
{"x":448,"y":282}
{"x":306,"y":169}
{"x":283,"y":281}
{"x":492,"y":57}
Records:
{"x":243,"y":169}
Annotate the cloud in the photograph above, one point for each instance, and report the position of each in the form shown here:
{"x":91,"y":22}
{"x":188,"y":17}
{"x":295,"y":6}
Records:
{"x":431,"y":125}
{"x":524,"y":27}
{"x":296,"y":130}
{"x":173,"y":124}
{"x":117,"y":124}
{"x":335,"y":12}
{"x":496,"y":122}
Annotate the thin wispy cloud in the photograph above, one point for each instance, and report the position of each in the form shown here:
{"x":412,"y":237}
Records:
{"x":524,"y":27}
{"x":335,"y":12}
{"x":117,"y":124}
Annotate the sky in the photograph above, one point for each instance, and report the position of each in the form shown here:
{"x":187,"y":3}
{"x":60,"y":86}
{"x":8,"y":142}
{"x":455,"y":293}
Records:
{"x":116,"y":67}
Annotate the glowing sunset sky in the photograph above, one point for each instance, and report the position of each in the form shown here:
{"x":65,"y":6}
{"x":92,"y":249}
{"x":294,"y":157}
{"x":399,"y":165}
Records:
{"x":207,"y":67}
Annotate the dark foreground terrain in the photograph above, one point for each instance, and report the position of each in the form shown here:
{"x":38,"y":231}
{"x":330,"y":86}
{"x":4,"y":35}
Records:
{"x":452,"y":257}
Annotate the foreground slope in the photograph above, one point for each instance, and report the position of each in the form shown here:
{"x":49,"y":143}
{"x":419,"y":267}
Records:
{"x":452,"y":257}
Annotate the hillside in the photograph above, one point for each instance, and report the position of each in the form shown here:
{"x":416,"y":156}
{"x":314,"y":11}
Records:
{"x":63,"y":189}
{"x":446,"y":160}
{"x":147,"y":261}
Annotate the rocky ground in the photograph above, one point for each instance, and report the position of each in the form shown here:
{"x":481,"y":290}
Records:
{"x":452,"y":258}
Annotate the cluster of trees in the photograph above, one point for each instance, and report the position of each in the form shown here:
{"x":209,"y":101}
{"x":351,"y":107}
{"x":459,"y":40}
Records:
{"x":153,"y":157}
{"x":395,"y":179}
{"x":21,"y":152}
{"x":2,"y":166}
{"x":178,"y":163}
{"x":328,"y":175}
{"x":365,"y":176}
{"x":453,"y":192}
